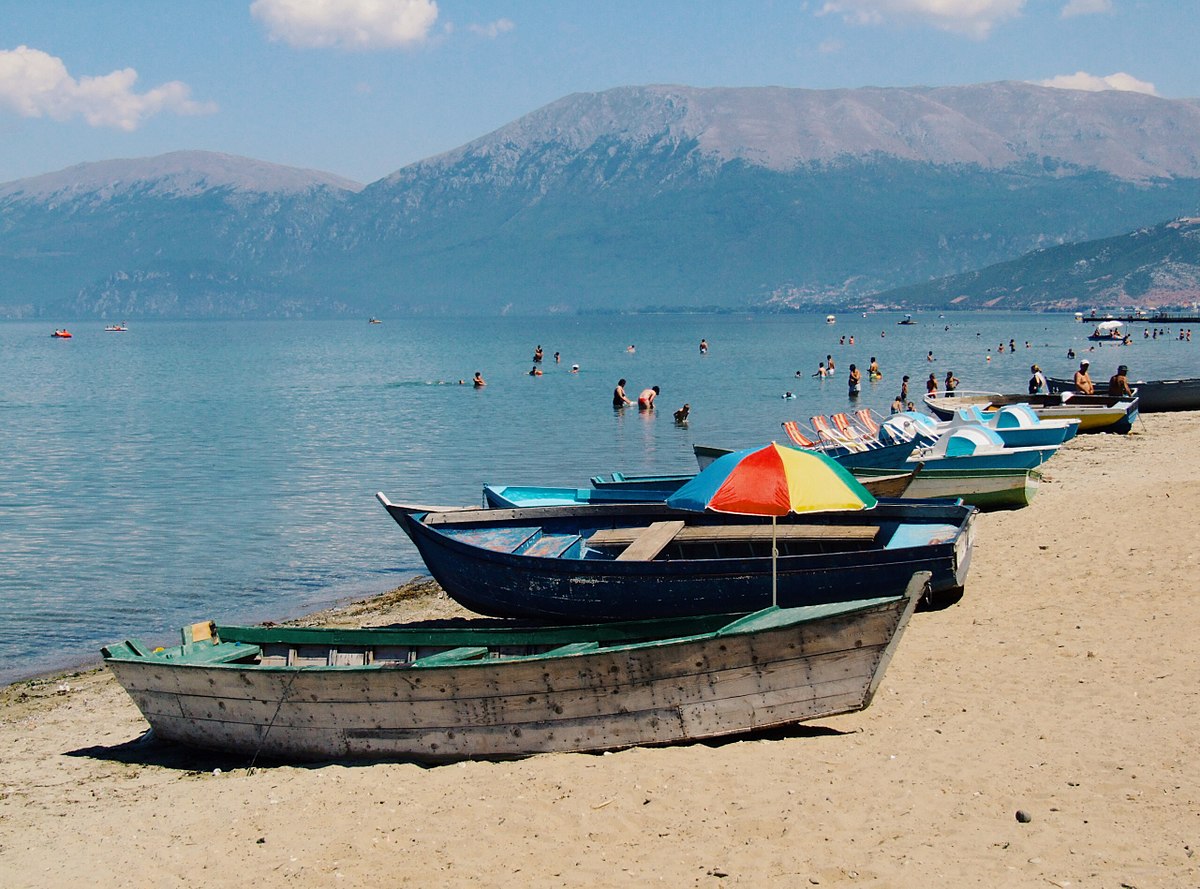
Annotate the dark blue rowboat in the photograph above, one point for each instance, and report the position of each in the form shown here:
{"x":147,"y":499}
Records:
{"x":642,"y":561}
{"x":892,"y":456}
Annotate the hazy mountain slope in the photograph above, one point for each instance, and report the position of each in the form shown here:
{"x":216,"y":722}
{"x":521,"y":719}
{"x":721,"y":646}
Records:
{"x":1154,"y":266}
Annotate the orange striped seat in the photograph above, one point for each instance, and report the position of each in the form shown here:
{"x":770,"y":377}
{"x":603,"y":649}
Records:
{"x":792,"y":428}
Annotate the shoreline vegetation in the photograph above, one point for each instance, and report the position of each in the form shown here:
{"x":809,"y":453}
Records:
{"x":1062,"y":685}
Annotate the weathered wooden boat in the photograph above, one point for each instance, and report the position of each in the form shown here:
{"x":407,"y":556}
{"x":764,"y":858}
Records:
{"x":1154,"y":396}
{"x":886,"y":484}
{"x":418,"y":693}
{"x":646,"y":560}
{"x":982,"y":488}
{"x":1095,"y":413}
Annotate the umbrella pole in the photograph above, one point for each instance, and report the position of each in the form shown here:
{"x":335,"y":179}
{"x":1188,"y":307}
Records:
{"x":774,"y":571}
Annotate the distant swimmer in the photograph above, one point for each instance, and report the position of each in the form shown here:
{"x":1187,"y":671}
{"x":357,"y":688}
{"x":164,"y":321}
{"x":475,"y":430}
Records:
{"x":788,"y":395}
{"x":557,"y":358}
{"x":681,"y":415}
{"x":574,"y":368}
{"x":619,"y":399}
{"x":632,"y":348}
{"x":855,"y":381}
{"x":535,"y":371}
{"x":537,"y":355}
{"x":873,"y":371}
{"x":703,"y":347}
{"x":646,"y":399}
{"x":821,"y":371}
{"x":478,"y":382}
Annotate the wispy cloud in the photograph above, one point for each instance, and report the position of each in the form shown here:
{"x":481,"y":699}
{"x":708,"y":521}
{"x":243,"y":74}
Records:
{"x":36,"y":84}
{"x":347,"y":24}
{"x":1086,"y":7}
{"x":492,"y":30}
{"x":1081,"y":80}
{"x":974,"y":18}
{"x":830,"y":46}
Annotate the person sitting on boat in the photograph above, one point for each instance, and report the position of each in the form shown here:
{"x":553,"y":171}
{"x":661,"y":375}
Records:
{"x":646,"y":399}
{"x":1118,"y":383}
{"x":1037,"y":382}
{"x":478,"y":382}
{"x":1083,"y":380}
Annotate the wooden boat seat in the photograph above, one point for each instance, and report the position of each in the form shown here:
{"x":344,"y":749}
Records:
{"x":650,"y":542}
{"x":453,"y":656}
{"x":571,"y":648}
{"x":733,"y":533}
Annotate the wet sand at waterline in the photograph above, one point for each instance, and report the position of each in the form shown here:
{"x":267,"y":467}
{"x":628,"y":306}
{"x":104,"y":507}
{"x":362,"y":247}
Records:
{"x":1062,"y":685}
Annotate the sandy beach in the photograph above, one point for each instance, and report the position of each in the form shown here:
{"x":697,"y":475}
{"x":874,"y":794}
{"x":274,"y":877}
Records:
{"x":1061,"y":685}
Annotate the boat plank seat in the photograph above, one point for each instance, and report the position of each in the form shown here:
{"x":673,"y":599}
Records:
{"x":221,"y":653}
{"x":650,"y":542}
{"x":452,"y":656}
{"x":571,"y":648}
{"x":722,"y":533}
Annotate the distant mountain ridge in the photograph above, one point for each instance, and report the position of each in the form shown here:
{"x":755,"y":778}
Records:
{"x":667,"y":196}
{"x":1155,"y":266}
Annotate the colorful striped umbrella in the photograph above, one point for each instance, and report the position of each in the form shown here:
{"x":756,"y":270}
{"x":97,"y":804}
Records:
{"x":773,"y":481}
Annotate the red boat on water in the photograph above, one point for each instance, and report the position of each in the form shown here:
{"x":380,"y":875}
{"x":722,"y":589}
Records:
{"x":63,"y":334}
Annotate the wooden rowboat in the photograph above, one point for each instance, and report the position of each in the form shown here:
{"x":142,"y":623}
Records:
{"x":1154,"y":396}
{"x":418,"y":693}
{"x":1095,"y":413}
{"x":885,"y":484}
{"x":648,"y":561}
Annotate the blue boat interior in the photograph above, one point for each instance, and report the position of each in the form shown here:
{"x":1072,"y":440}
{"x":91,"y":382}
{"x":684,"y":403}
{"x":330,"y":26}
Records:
{"x":708,"y":541}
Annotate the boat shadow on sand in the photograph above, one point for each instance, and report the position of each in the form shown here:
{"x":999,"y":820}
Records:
{"x":148,"y":750}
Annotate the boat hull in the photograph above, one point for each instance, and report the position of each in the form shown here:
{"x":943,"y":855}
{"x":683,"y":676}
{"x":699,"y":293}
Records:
{"x":984,"y":489}
{"x":892,"y":457}
{"x":1154,"y":396}
{"x":773,"y":668}
{"x":471,"y":556}
{"x":1095,"y":413}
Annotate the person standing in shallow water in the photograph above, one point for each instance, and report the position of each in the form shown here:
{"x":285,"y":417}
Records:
{"x":855,"y":381}
{"x":619,"y":399}
{"x":646,"y":398}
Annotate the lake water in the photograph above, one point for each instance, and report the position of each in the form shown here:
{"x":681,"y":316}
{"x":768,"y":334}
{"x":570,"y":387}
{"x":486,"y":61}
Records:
{"x":182,"y":471}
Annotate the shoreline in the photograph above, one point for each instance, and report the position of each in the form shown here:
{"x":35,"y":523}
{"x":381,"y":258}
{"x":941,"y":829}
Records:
{"x":1060,"y":685}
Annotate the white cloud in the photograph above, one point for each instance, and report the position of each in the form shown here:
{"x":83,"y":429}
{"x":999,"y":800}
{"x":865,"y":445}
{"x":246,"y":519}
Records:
{"x":492,"y":30}
{"x":1081,"y":80}
{"x":36,"y":84}
{"x":975,"y":18}
{"x":830,"y":46}
{"x":347,"y":24}
{"x":1086,"y":7}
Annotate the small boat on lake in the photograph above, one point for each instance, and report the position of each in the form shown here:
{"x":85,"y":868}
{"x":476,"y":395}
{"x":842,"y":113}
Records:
{"x":908,"y":319}
{"x":374,"y":321}
{"x":116,"y":328}
{"x":984,"y":489}
{"x":646,"y":560}
{"x":1154,"y":396}
{"x":1095,"y":413}
{"x":885,"y":484}
{"x":63,"y":334}
{"x":467,"y":691}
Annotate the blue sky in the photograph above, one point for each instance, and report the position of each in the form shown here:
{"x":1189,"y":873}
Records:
{"x":362,"y":87}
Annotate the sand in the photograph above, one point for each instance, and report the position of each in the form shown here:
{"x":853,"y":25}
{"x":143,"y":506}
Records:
{"x":1062,"y":685}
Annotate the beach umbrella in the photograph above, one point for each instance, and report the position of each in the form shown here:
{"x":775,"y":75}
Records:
{"x":772,"y":481}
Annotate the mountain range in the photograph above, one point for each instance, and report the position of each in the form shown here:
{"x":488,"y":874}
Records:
{"x":659,"y":197}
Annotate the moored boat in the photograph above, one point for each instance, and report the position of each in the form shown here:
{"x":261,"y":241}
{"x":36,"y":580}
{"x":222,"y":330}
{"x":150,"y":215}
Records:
{"x":622,"y":561}
{"x":1154,"y":396}
{"x":437,"y":694}
{"x":982,"y":488}
{"x":886,"y":483}
{"x":1095,"y":413}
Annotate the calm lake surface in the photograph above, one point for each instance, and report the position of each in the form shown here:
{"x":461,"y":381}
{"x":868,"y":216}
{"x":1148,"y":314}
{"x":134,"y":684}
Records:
{"x":183,"y":471}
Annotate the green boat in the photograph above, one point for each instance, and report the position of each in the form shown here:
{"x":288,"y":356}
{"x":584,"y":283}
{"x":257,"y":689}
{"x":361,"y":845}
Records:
{"x":982,"y":488}
{"x":445,"y":693}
